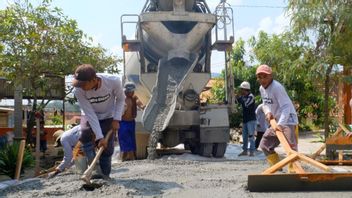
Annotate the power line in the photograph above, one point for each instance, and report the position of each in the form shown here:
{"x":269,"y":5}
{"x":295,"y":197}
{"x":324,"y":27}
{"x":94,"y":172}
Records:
{"x":257,"y":6}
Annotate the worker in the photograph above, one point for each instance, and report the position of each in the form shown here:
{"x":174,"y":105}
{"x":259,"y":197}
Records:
{"x":126,"y":133}
{"x":247,"y":102}
{"x":278,"y":106}
{"x":43,"y":138}
{"x":101,"y":99}
{"x":68,"y":140}
{"x":261,"y":126}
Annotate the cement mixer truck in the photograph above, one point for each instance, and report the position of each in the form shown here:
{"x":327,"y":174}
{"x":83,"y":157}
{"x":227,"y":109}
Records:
{"x":168,"y":59}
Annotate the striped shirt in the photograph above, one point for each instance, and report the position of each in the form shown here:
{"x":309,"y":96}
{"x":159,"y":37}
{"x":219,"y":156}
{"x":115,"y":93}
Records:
{"x":248,"y":107}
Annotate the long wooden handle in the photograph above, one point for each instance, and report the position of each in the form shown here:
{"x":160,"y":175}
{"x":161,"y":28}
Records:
{"x":87,"y":174}
{"x":19,"y":159}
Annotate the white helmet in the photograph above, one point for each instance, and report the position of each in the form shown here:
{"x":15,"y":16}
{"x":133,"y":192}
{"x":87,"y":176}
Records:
{"x":245,"y":85}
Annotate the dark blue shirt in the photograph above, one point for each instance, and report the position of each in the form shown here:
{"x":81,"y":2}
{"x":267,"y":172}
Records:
{"x":248,"y":107}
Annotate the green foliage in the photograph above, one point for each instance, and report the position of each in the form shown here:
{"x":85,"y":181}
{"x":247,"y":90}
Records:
{"x":57,"y":120}
{"x":291,"y":60}
{"x":8,"y":159}
{"x":218,"y":91}
{"x":330,"y":23}
{"x":40,"y":41}
{"x":235,"y":118}
{"x":243,"y":72}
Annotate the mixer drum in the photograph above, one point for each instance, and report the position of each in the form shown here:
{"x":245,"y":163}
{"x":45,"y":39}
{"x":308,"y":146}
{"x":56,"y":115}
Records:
{"x":167,"y":5}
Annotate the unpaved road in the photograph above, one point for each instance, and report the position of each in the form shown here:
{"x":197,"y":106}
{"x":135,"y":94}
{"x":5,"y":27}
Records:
{"x":183,"y":175}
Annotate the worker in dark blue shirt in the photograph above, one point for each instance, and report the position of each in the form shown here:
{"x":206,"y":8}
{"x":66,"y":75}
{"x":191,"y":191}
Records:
{"x":247,"y":102}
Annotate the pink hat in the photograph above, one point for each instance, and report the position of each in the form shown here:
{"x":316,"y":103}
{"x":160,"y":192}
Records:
{"x":264,"y":69}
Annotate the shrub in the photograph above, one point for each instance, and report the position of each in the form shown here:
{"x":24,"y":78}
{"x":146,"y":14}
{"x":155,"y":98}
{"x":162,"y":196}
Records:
{"x":8,"y":159}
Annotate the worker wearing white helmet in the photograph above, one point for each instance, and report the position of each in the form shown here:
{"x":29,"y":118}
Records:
{"x":249,"y":118}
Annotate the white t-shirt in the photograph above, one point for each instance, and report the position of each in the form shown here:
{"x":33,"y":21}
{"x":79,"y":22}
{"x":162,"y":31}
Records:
{"x":105,"y":102}
{"x":279,"y":104}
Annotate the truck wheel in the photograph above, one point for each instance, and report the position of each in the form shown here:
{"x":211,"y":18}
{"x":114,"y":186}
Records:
{"x":219,"y":150}
{"x":206,"y":149}
{"x":194,"y":149}
{"x":186,"y":146}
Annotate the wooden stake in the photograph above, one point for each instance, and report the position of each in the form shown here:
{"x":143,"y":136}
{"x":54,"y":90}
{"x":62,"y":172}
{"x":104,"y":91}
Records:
{"x":322,"y":147}
{"x":344,"y":128}
{"x":298,"y":168}
{"x":340,"y":157}
{"x":20,"y":159}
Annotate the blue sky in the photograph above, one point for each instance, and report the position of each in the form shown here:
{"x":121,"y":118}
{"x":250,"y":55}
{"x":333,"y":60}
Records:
{"x":100,"y":19}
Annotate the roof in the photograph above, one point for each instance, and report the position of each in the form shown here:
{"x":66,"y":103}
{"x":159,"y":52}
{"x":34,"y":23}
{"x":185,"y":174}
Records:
{"x":6,"y":109}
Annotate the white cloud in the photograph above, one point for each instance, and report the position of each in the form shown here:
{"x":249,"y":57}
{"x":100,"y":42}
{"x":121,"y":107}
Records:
{"x":116,"y":50}
{"x":244,"y":33}
{"x":97,"y":39}
{"x":270,"y":25}
{"x":281,"y":23}
{"x":265,"y":24}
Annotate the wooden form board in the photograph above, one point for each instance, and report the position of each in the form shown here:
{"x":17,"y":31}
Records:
{"x":300,"y":182}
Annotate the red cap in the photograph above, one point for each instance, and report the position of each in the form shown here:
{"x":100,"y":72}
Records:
{"x":264,"y":69}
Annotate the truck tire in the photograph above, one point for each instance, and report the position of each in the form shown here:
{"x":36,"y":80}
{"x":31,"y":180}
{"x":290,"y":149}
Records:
{"x":219,"y":149}
{"x":206,"y":149}
{"x":194,"y":149}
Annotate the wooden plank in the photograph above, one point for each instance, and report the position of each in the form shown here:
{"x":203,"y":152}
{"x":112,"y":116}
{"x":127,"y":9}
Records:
{"x":336,"y":162}
{"x":317,"y":153}
{"x":314,"y":163}
{"x":300,"y":182}
{"x":322,"y":147}
{"x":298,"y":168}
{"x":341,"y":140}
{"x":281,"y":164}
{"x":284,"y":142}
{"x":340,"y":156}
{"x":344,"y":128}
{"x":20,"y":159}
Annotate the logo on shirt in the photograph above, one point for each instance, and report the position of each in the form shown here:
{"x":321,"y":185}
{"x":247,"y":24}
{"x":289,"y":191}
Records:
{"x":99,"y":99}
{"x":267,"y":100}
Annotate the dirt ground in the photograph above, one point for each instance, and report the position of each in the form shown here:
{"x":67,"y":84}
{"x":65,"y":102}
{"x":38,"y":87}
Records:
{"x":183,"y":175}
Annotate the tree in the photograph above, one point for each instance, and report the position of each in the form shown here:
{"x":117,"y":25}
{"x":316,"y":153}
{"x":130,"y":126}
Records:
{"x":328,"y":26}
{"x":242,"y":70}
{"x":40,"y":41}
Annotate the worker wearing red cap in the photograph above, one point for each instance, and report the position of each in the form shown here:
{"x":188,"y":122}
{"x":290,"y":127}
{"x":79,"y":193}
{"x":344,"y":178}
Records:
{"x":280,"y":107}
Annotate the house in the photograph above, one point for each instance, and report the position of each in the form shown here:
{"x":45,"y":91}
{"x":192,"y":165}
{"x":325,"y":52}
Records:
{"x":6,"y":117}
